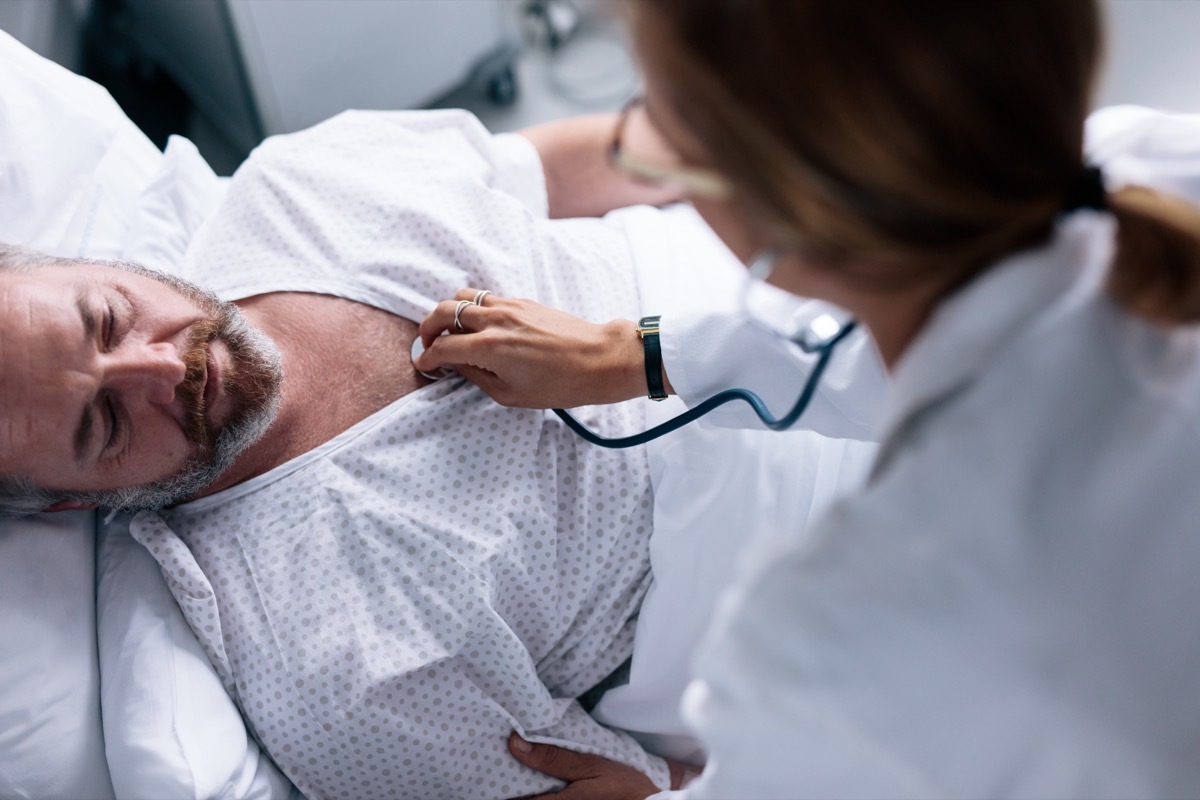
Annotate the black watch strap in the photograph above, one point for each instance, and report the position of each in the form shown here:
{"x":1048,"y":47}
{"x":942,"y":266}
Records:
{"x":647,"y":328}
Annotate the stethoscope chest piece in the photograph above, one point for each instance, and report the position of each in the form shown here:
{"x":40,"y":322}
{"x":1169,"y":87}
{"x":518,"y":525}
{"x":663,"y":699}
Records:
{"x":418,"y":347}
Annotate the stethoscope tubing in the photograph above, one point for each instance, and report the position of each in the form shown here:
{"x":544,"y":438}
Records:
{"x":719,"y":399}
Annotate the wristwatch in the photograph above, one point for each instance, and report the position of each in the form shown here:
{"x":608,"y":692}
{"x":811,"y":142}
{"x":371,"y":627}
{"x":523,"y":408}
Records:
{"x":647,"y":328}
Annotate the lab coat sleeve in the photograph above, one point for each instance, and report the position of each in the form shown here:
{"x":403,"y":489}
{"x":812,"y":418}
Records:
{"x":706,"y":351}
{"x":1146,"y":147}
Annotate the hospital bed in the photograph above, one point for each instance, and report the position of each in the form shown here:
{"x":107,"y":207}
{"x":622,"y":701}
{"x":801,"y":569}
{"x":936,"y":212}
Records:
{"x":104,"y":690}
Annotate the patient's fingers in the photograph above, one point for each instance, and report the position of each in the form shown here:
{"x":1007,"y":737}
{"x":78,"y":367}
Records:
{"x":588,"y":777}
{"x":553,"y":761}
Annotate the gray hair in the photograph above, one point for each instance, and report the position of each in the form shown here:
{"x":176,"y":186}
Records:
{"x":15,"y":258}
{"x":20,"y":497}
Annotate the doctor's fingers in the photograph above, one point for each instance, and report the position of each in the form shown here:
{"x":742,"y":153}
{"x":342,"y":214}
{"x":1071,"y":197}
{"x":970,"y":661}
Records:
{"x":453,"y":316}
{"x":545,"y":358}
{"x":483,"y":297}
{"x":460,"y":315}
{"x":493,"y":386}
{"x":472,"y":357}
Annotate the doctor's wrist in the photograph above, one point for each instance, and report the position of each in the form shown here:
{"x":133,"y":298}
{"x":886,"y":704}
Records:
{"x":636,"y":350}
{"x":617,"y":369}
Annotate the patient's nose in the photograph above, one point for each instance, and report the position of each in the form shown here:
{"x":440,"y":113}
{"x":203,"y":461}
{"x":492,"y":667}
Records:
{"x":155,"y":369}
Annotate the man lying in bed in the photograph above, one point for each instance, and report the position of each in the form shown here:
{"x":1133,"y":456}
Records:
{"x":389,"y":575}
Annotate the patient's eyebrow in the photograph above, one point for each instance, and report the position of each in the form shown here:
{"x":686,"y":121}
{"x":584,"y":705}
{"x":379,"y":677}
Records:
{"x":83,"y":432}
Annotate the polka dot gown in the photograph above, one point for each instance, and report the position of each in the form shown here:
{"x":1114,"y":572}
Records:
{"x":387,"y":607}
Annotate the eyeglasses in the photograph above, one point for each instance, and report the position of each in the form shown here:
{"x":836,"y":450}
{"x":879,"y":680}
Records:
{"x":693,"y":181}
{"x":810,"y":325}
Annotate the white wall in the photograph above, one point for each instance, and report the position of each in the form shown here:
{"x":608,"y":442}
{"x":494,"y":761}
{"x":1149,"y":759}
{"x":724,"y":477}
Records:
{"x":48,"y":27}
{"x":1153,"y":54}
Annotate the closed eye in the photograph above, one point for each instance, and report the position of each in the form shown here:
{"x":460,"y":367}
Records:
{"x":121,"y":318}
{"x":114,"y":423}
{"x":110,"y":325}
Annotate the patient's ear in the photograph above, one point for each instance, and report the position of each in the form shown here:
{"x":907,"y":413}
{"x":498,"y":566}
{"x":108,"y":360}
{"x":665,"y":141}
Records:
{"x":71,"y":505}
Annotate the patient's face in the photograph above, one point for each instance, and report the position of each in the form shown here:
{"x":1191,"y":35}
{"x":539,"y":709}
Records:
{"x":125,"y":388}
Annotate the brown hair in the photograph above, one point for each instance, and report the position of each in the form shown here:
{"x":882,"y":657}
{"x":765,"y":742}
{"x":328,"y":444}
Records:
{"x":924,"y":138}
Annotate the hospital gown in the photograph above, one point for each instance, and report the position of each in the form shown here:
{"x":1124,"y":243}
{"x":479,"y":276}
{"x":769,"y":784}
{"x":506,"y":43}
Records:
{"x":387,"y":607}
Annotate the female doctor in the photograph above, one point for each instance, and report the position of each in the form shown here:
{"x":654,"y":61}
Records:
{"x":1007,"y":607}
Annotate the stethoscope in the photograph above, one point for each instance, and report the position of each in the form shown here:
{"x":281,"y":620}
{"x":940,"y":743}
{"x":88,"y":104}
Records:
{"x":819,"y":338}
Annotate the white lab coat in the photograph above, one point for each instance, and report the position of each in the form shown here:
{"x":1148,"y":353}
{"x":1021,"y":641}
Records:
{"x":1007,"y":608}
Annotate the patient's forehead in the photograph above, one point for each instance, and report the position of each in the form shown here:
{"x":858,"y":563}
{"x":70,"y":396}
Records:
{"x":35,"y":319}
{"x":32,"y":303}
{"x":26,"y":295}
{"x":41,"y":327}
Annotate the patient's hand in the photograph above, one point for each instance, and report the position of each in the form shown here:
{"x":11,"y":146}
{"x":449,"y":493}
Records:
{"x":527,"y":355}
{"x":587,"y":776}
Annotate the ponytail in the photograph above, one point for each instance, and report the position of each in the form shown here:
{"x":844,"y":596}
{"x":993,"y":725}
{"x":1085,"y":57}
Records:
{"x":1156,"y":270}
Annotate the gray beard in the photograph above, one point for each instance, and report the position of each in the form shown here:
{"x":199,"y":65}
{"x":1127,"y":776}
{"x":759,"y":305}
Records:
{"x":233,"y":440}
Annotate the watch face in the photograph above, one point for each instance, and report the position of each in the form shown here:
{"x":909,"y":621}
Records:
{"x":647,"y":325}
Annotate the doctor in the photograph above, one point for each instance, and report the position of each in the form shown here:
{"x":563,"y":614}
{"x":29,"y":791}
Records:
{"x":1008,"y":607}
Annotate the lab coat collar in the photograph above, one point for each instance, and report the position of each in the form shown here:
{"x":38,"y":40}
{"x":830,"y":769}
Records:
{"x":1000,"y":309}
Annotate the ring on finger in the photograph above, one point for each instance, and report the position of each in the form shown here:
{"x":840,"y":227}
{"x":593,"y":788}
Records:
{"x":458,"y":310}
{"x":482,"y":293}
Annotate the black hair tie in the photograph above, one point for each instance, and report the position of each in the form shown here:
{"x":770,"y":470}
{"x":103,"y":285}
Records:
{"x":1087,"y":191}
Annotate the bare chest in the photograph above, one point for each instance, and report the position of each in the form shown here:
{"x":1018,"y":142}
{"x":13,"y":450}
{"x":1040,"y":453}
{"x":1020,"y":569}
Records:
{"x":343,"y":360}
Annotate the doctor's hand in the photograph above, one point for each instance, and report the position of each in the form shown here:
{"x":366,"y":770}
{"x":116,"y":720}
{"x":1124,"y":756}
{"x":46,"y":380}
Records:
{"x":587,"y":776}
{"x":524,"y":354}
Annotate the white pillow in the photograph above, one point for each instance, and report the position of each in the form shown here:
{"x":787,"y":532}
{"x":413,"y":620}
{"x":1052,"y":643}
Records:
{"x":50,"y":741}
{"x":170,"y":728}
{"x":71,"y":167}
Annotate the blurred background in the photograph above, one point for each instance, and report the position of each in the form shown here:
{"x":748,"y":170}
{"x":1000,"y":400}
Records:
{"x":227,"y":73}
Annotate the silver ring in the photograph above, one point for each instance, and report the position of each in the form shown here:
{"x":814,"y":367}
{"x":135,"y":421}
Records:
{"x":482,"y":293}
{"x":458,"y":310}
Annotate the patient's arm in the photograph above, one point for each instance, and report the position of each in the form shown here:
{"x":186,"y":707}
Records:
{"x":580,"y":180}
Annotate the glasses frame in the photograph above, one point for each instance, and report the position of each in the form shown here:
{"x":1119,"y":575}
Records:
{"x":694,"y":181}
